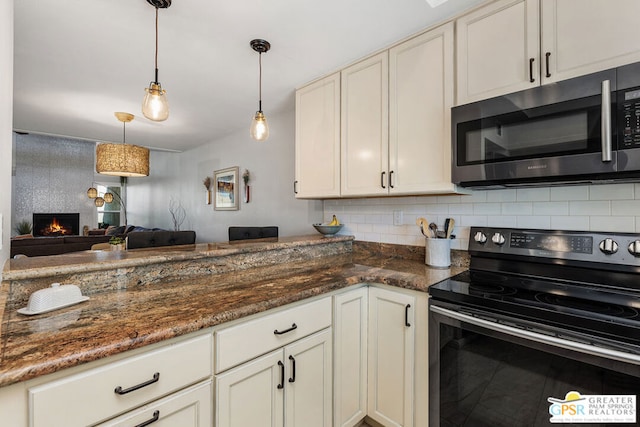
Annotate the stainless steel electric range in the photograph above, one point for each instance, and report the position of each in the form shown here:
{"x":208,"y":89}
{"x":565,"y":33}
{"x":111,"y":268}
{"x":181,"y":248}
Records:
{"x":544,"y":323}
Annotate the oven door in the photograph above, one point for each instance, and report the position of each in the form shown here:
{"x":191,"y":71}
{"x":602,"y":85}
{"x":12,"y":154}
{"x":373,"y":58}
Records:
{"x":485,"y":372}
{"x":550,"y":133}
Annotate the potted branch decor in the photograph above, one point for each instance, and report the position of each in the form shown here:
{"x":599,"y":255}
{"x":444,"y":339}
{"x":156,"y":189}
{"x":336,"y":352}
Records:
{"x":207,"y":185}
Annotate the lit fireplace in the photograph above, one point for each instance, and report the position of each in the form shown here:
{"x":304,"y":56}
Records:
{"x":56,"y":224}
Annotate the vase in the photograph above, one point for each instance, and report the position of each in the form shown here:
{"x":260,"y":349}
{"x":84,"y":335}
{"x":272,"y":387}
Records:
{"x":208,"y":197}
{"x":247,"y":194}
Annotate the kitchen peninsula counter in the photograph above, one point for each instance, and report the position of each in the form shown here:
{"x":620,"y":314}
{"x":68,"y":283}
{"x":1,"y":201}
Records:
{"x":115,"y":320}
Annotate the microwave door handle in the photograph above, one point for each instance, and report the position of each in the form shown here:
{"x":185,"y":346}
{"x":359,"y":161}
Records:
{"x":606,"y":121}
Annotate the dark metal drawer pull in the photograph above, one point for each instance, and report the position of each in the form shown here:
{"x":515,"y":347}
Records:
{"x":281,"y":385}
{"x":155,"y":379}
{"x":156,"y":417}
{"x":546,"y":56}
{"x":293,"y":326}
{"x":406,"y":315}
{"x":391,"y":179}
{"x":531,"y":79}
{"x":293,"y":369}
{"x":382,"y":180}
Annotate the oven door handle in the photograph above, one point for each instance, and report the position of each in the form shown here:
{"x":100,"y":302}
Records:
{"x":541,"y":338}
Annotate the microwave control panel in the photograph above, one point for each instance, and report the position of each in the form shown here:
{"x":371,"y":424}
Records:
{"x":630,"y":118}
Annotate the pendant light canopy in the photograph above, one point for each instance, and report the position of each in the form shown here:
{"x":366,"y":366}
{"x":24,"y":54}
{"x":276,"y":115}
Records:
{"x":154,"y":104}
{"x":259,"y":126}
{"x":122,"y":159}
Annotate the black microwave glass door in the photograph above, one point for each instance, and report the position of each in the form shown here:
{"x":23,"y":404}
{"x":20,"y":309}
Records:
{"x":566,"y":128}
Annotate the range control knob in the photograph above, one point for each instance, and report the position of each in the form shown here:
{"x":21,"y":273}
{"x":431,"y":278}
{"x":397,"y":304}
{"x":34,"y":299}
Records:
{"x":480,"y":237}
{"x":608,"y":246}
{"x":498,"y":239}
{"x":634,"y":248}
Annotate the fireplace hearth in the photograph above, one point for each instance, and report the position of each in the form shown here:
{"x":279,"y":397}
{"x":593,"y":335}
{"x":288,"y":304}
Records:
{"x":56,"y":224}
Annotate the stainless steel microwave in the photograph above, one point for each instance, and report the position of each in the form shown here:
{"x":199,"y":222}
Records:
{"x":581,"y":130}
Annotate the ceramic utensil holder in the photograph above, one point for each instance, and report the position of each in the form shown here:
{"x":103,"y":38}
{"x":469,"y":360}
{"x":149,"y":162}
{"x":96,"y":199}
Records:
{"x":438,"y":253}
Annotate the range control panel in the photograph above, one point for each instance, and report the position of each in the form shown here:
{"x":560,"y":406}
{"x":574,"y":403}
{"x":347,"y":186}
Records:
{"x":616,"y":248}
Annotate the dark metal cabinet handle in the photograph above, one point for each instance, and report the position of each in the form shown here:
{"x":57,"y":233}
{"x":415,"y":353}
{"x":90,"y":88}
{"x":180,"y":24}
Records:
{"x":281,"y":385}
{"x":391,"y":179}
{"x":295,"y":187}
{"x":531,"y":79}
{"x":156,"y":417}
{"x":546,"y":60}
{"x":293,"y":369}
{"x":293,"y":326}
{"x":155,"y":379}
{"x":382,"y":180}
{"x":406,"y":315}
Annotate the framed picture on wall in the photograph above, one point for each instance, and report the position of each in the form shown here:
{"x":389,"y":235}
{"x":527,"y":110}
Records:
{"x":225,"y":185}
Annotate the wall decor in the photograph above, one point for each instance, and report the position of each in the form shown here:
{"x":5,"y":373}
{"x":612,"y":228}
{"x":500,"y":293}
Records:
{"x":207,"y":185}
{"x":225,"y":184}
{"x":245,"y":178}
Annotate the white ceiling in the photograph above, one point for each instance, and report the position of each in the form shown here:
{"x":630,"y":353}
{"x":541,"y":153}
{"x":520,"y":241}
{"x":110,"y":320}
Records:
{"x":79,"y":61}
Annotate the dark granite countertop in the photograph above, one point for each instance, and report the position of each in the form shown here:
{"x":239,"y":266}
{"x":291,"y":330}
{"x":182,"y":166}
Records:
{"x":115,"y":321}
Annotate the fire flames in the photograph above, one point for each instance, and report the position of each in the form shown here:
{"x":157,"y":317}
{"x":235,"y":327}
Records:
{"x":55,"y":229}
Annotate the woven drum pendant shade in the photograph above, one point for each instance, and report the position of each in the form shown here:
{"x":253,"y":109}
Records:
{"x":122,"y":160}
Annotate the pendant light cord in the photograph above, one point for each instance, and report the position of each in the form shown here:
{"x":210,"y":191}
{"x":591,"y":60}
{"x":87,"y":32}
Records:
{"x":124,"y":133}
{"x":260,"y":82}
{"x":156,"y":56}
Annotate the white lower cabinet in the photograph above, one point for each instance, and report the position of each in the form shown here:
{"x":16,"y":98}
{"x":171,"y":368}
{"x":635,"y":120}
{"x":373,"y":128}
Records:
{"x":290,"y":386}
{"x":380,"y":357}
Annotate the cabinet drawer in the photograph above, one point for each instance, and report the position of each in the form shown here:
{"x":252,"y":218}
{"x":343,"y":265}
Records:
{"x":93,"y":392}
{"x":186,"y":408}
{"x":247,"y":340}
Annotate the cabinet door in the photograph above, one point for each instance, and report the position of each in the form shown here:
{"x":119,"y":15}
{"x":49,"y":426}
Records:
{"x":364,"y":127}
{"x":308,"y":387}
{"x":582,"y":37}
{"x":187,"y":408}
{"x":420,"y":98}
{"x":252,"y":393}
{"x":350,"y":357}
{"x":495,"y":45}
{"x":318,"y":138}
{"x":391,"y":357}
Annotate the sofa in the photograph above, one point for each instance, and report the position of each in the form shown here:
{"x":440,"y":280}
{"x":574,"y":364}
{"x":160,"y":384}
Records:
{"x":136,"y":237}
{"x":43,"y":246}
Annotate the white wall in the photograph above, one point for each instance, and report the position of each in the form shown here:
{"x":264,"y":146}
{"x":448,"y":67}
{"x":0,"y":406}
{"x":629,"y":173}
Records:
{"x":180,"y":175}
{"x":613,"y":207}
{"x":6,"y":124}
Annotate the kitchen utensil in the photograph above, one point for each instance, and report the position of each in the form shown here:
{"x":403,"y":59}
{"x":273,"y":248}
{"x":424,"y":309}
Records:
{"x":448,"y":227}
{"x":421,"y":222}
{"x":434,"y":229}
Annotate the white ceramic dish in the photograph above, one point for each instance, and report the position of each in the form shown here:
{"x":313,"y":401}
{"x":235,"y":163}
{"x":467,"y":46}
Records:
{"x":55,"y":297}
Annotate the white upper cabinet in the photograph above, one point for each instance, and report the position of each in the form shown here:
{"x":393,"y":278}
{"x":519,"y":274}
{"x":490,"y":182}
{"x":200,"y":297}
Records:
{"x":510,"y":45}
{"x":581,"y":37}
{"x":420,"y":97}
{"x":318,"y":139}
{"x":365,"y":127}
{"x":497,"y":47}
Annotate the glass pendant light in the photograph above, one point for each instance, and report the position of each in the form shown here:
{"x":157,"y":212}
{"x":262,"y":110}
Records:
{"x":155,"y":105}
{"x":259,"y":126}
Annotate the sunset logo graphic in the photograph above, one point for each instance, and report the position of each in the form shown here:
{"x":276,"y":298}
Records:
{"x":577,"y":408}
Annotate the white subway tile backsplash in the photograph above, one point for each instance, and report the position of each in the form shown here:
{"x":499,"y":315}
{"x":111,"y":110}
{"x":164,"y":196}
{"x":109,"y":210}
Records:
{"x":532,"y":194}
{"x":570,"y":223}
{"x":590,"y":207}
{"x":595,"y":208}
{"x":578,"y":192}
{"x":611,"y":192}
{"x":551,"y":208}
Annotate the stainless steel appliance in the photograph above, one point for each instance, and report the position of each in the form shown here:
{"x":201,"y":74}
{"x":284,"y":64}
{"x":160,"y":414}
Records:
{"x":580,"y":130}
{"x":538,"y":315}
